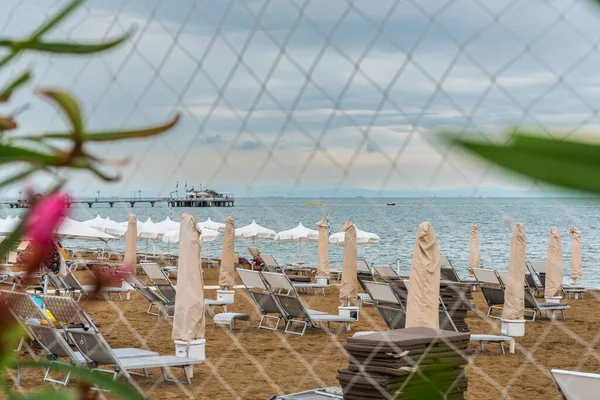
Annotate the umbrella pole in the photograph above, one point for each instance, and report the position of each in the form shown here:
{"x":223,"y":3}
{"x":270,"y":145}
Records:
{"x":45,"y":286}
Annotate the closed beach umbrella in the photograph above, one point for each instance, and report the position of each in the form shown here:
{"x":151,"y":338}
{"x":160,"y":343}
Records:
{"x":210,"y":224}
{"x":188,"y":321}
{"x":299,"y":234}
{"x":514,"y":295}
{"x":576,"y":268}
{"x":362,"y":237}
{"x":348,"y":292}
{"x":254,"y":231}
{"x":323,"y":249}
{"x":422,"y":306}
{"x":130,"y":260}
{"x":474,"y":249}
{"x":227,"y":255}
{"x":554,"y":265}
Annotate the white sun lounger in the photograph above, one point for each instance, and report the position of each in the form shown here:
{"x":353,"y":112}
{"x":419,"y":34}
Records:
{"x":295,"y":309}
{"x":49,"y":338}
{"x":81,"y":329}
{"x":575,"y":385}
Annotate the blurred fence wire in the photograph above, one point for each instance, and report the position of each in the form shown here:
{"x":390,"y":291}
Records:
{"x":319,"y":98}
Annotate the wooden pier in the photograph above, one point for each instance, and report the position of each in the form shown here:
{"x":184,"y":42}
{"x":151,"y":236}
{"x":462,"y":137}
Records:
{"x":225,"y":201}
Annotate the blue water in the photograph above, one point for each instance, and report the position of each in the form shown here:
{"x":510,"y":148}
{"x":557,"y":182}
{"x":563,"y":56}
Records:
{"x":397,"y":226}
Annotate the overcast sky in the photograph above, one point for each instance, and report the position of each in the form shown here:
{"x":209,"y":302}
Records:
{"x":295,"y":98}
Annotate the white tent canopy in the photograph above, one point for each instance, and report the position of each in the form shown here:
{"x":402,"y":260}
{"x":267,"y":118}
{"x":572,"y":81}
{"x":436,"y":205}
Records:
{"x":362,"y":237}
{"x":146,"y":230}
{"x":106,"y":225}
{"x":208,"y":235}
{"x":166,"y":225}
{"x":300,"y":234}
{"x":68,"y":229}
{"x":72,"y":229}
{"x":297,"y":234}
{"x":254,"y":231}
{"x":210,"y":224}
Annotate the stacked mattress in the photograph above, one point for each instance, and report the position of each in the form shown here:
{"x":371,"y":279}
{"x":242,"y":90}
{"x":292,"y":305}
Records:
{"x":412,"y":363}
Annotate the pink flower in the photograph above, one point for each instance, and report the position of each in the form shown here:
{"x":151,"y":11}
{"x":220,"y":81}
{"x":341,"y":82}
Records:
{"x":44,"y":218}
{"x":46,"y":214}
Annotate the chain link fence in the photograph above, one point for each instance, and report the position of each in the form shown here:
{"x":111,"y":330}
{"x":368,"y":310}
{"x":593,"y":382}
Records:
{"x":323,"y":99}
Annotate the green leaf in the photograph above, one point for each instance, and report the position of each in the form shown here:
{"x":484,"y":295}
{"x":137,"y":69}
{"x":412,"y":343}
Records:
{"x":117,"y":388}
{"x":70,"y":108}
{"x":10,"y":88}
{"x":51,"y":393}
{"x":111,"y":136}
{"x":10,"y":154}
{"x":55,"y":20}
{"x":63,"y":47}
{"x":565,"y":163}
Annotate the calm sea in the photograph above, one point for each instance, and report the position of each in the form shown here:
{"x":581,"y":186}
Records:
{"x":397,"y":226}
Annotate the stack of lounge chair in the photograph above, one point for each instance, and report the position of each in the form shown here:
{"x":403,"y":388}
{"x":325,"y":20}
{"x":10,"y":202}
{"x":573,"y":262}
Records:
{"x":456,"y":297}
{"x":413,"y":363}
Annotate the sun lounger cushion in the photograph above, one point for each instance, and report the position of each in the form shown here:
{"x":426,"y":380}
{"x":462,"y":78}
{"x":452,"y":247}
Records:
{"x":130,"y":352}
{"x":409,"y":336}
{"x":299,"y":278}
{"x":330,"y":317}
{"x":158,"y":362}
{"x":555,"y":306}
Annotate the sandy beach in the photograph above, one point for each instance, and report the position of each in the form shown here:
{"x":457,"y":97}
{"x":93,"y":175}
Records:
{"x":256,"y":364}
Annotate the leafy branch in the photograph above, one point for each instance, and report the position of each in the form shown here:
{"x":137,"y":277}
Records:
{"x":40,"y":153}
{"x":566,"y":163}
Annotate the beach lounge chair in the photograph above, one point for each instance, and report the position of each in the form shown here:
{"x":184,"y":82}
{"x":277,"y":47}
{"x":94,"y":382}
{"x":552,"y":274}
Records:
{"x":487,"y":276}
{"x":295,"y":309}
{"x":390,"y":307}
{"x":539,"y":267}
{"x":92,"y":345}
{"x":573,"y":292}
{"x":270,"y":264}
{"x":386,"y":272}
{"x":265,"y":301}
{"x":155,"y":298}
{"x":574,"y":385}
{"x":74,"y":287}
{"x":154,"y":273}
{"x":364,"y":273}
{"x":494,"y":297}
{"x":447,"y":271}
{"x":331,"y":393}
{"x":535,"y":307}
{"x":49,"y":338}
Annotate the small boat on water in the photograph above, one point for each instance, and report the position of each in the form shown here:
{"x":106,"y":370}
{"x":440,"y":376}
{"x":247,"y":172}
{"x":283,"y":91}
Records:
{"x":391,"y":203}
{"x":314,"y":203}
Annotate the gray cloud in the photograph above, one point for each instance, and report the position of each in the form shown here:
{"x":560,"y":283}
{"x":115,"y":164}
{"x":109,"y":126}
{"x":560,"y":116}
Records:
{"x":488,"y":84}
{"x":248,"y":145}
{"x":214,"y":140}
